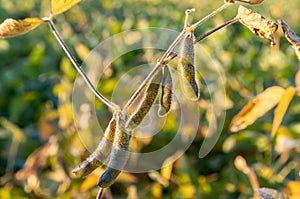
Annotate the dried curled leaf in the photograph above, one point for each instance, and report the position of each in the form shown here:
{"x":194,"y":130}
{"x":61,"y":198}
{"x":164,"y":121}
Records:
{"x":44,"y":166}
{"x":281,"y":108}
{"x":252,"y":2}
{"x":186,"y":68}
{"x":267,"y":193}
{"x":101,"y":153}
{"x":166,"y":92}
{"x":256,"y":108}
{"x":118,"y":158}
{"x":291,"y":37}
{"x":257,"y":24}
{"x":59,"y":6}
{"x":11,"y":27}
{"x":146,"y":102}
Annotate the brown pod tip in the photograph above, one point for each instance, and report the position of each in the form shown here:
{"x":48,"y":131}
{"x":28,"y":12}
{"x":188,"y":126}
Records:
{"x":86,"y":167}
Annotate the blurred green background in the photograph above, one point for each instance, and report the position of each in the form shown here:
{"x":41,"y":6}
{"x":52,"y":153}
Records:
{"x":39,"y":144}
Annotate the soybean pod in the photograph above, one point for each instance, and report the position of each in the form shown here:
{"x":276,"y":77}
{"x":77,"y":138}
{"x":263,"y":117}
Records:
{"x":98,"y":157}
{"x":118,"y":158}
{"x":146,"y":102}
{"x":166,"y":92}
{"x":186,"y":68}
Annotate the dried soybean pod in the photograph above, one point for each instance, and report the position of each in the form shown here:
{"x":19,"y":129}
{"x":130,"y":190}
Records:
{"x":146,"y":102}
{"x":291,"y":37}
{"x":101,"y":152}
{"x":186,"y":67}
{"x":118,"y":158}
{"x":166,"y":92}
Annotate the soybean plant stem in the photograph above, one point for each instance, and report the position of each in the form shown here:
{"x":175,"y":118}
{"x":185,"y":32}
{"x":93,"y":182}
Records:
{"x":225,"y":5}
{"x":100,"y":193}
{"x":110,"y":104}
{"x":227,"y":23}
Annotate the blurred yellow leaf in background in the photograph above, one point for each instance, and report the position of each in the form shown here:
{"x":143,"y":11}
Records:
{"x":256,"y":108}
{"x":292,"y":189}
{"x":92,"y":179}
{"x":167,"y":167}
{"x":59,"y":6}
{"x":281,"y":108}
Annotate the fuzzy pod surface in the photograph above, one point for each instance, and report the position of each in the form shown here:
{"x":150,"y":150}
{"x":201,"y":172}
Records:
{"x":186,"y":68}
{"x":118,"y":158}
{"x":101,"y":152}
{"x":146,"y":102}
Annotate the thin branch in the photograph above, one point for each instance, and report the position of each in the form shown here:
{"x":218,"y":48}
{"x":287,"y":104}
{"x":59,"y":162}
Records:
{"x":110,"y":104}
{"x":100,"y":193}
{"x":225,"y":5}
{"x":232,"y":21}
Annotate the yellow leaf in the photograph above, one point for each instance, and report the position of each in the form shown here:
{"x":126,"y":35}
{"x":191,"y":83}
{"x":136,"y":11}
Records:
{"x":59,"y":6}
{"x":281,"y":108}
{"x":154,"y":175}
{"x":257,"y":24}
{"x":292,"y":189}
{"x":291,"y":37}
{"x":256,"y":108}
{"x":297,"y":81}
{"x":89,"y":182}
{"x":11,"y":27}
{"x":156,"y":190}
{"x":166,"y":169}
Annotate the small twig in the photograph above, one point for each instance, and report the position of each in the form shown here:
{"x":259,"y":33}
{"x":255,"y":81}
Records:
{"x":232,"y":21}
{"x":241,"y":164}
{"x":187,"y":14}
{"x":110,"y":104}
{"x":225,"y":5}
{"x":100,"y":193}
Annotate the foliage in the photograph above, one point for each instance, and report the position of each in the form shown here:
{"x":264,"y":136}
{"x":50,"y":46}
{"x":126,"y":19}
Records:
{"x":40,"y":145}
